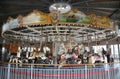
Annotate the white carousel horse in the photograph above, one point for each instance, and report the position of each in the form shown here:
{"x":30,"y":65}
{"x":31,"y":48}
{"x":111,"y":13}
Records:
{"x":62,"y":49}
{"x":81,"y":49}
{"x":16,"y":59}
{"x":98,"y":57}
{"x":46,"y":50}
{"x":11,"y":59}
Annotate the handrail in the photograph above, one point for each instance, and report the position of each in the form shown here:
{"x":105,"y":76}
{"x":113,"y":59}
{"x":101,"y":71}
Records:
{"x":29,"y":64}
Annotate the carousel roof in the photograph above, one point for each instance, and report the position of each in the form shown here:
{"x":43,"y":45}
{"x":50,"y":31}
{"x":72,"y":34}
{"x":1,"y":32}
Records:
{"x":24,"y":28}
{"x":110,"y":8}
{"x":72,"y":25}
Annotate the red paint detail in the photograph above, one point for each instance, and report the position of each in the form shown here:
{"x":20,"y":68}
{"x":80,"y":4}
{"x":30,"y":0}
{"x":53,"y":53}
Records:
{"x":62,"y":75}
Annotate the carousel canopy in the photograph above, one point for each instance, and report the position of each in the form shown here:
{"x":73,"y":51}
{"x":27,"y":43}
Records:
{"x":109,"y":8}
{"x":58,"y":25}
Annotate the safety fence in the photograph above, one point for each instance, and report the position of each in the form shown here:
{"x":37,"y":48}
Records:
{"x":101,"y":71}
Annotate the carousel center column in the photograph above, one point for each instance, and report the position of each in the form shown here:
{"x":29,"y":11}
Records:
{"x":54,"y":15}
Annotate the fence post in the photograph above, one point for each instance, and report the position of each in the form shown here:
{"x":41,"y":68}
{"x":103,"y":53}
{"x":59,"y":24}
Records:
{"x":85,"y":71}
{"x":8,"y":73}
{"x":31,"y":70}
{"x":109,"y":74}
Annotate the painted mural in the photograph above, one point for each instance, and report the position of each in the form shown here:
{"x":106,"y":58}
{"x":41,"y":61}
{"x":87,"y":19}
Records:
{"x":74,"y":16}
{"x":36,"y":17}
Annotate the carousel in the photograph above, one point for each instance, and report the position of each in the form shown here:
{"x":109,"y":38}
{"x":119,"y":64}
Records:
{"x":58,"y":37}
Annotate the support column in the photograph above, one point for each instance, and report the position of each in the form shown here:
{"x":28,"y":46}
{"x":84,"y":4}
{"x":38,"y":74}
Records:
{"x":55,"y":50}
{"x":118,"y":48}
{"x":0,"y":44}
{"x":0,"y":52}
{"x":3,"y":52}
{"x":119,"y":51}
{"x":114,"y":50}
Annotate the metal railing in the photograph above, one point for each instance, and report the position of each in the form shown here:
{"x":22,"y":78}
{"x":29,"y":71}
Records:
{"x":35,"y":71}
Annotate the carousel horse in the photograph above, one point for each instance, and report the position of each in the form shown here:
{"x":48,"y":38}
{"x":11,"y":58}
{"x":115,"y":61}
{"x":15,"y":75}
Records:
{"x":61,"y":52}
{"x":31,"y":58}
{"x":16,"y":59}
{"x":64,"y":57}
{"x":98,"y":57}
{"x":62,"y":49}
{"x":85,"y":58}
{"x":95,"y":58}
{"x":46,"y":51}
{"x":25,"y":56}
{"x":81,"y":49}
{"x":11,"y":59}
{"x":103,"y":56}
